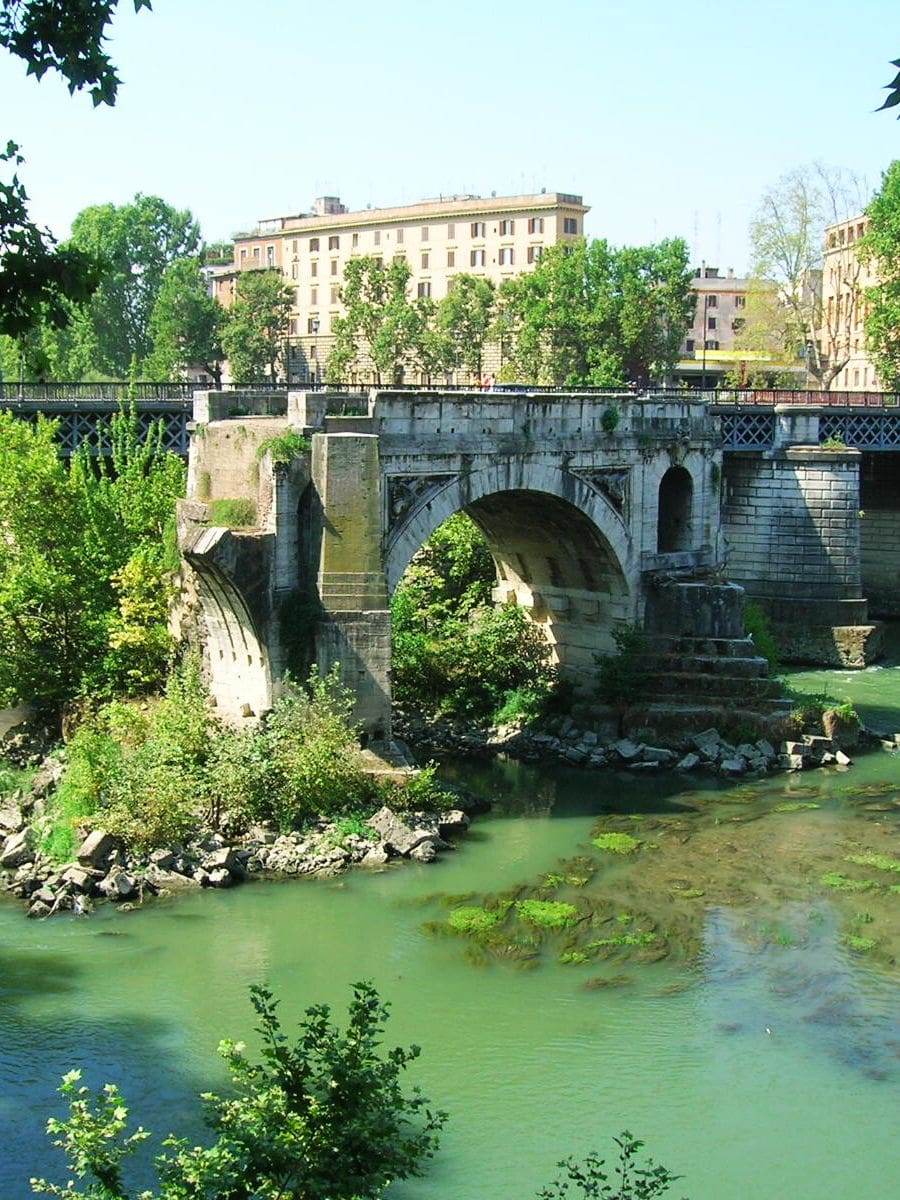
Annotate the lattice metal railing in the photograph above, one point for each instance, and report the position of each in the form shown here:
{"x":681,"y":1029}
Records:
{"x":862,"y":430}
{"x":92,"y":427}
{"x":747,"y":430}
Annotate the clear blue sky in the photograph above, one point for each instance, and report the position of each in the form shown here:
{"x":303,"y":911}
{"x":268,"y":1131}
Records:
{"x":669,"y":119}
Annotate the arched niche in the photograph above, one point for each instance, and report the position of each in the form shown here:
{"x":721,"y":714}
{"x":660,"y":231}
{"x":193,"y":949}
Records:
{"x":674,"y":528}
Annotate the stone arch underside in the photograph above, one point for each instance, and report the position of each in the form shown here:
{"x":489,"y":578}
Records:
{"x":239,"y":674}
{"x":561,"y":552}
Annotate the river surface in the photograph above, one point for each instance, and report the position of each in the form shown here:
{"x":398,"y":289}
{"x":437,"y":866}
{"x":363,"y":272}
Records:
{"x":715,"y":996}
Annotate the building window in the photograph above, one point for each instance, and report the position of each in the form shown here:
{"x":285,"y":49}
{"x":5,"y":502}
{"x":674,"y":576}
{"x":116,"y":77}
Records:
{"x":738,"y":324}
{"x":399,"y":237}
{"x":256,"y":253}
{"x":534,"y":253}
{"x":334,"y":266}
{"x":689,"y":345}
{"x":507,"y":227}
{"x":710,"y":322}
{"x":312,"y":325}
{"x":294,"y":246}
{"x":570,"y":225}
{"x":451,"y":233}
{"x":313,"y":296}
{"x":314,"y":269}
{"x":711,"y":301}
{"x":424,"y":262}
{"x":476,"y":258}
{"x":334,"y":242}
{"x":423,"y":290}
{"x":270,"y":256}
{"x":740,"y":302}
{"x":292,"y":328}
{"x":379,"y":264}
{"x":293,"y":270}
{"x":377,"y":237}
{"x":355,"y":240}
{"x":712,"y":344}
{"x":424,"y":233}
{"x":535,"y":224}
{"x":477,"y":229}
{"x":313,"y":245}
{"x":506,"y":256}
{"x":335,"y":295}
{"x":451,"y":258}
{"x":243,"y":255}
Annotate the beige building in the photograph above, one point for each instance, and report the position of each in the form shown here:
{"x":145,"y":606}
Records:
{"x":844,"y":309}
{"x":708,"y":353}
{"x":494,"y":237}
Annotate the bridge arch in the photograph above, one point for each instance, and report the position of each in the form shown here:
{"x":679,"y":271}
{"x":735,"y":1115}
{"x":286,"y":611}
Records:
{"x":560,"y":549}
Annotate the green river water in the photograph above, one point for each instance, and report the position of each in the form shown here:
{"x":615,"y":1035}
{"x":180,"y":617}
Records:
{"x":759,"y":1055}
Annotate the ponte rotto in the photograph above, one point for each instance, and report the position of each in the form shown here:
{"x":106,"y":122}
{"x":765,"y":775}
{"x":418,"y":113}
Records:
{"x":598,"y":509}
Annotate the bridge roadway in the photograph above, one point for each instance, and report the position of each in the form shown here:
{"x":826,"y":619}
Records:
{"x":867,"y":421}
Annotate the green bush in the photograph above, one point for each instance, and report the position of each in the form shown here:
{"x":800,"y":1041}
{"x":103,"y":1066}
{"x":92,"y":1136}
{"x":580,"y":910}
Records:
{"x":284,"y":449}
{"x":323,"y":1116}
{"x":233,"y":513}
{"x":756,"y":624}
{"x":623,"y":675}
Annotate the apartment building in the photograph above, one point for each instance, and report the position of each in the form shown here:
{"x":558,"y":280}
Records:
{"x":493,"y":237}
{"x":708,"y":353}
{"x":844,"y":308}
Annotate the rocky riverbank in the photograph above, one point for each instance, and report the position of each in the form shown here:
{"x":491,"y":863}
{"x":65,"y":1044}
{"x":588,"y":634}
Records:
{"x":568,"y":741}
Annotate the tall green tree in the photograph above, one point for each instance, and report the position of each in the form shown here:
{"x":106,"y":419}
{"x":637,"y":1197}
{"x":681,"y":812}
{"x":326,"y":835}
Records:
{"x":84,"y":562}
{"x":38,"y":278}
{"x":185,"y":325}
{"x":881,"y":248}
{"x":593,"y":314}
{"x":254,"y":331}
{"x":137,"y":243}
{"x":381,"y":326}
{"x":464,"y":318}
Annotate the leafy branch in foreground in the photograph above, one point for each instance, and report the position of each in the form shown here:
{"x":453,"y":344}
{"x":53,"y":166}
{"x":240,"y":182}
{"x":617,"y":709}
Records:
{"x":323,"y":1118}
{"x":631,"y":1180}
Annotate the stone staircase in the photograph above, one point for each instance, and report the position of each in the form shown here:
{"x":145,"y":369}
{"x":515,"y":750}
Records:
{"x":722,"y":673}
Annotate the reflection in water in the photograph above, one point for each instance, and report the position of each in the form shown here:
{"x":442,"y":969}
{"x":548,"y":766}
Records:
{"x":760,"y":1055}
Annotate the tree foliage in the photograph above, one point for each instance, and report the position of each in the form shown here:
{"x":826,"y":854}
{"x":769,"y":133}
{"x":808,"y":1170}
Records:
{"x":593,"y":314}
{"x":136,"y":243}
{"x":453,"y":651}
{"x":323,"y":1117}
{"x":464,"y":319}
{"x":381,"y":326}
{"x":631,"y":1180}
{"x":38,"y":278}
{"x":893,"y":90}
{"x":881,"y":247}
{"x":83,"y":562}
{"x":186,"y":325}
{"x":253,"y":334}
{"x":787,"y":319}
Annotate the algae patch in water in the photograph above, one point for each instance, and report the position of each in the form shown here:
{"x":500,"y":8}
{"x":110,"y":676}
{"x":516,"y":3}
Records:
{"x":860,"y":944}
{"x":616,"y":843}
{"x":796,"y":806}
{"x":473,"y":919}
{"x":881,"y":862}
{"x":835,"y":879}
{"x":547,"y":914}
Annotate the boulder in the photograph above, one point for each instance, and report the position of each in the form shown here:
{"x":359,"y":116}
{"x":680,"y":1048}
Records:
{"x":18,"y":849}
{"x":376,"y":856}
{"x":454,"y":820}
{"x":656,"y":754}
{"x":220,"y":877}
{"x":626,"y":749}
{"x":97,"y":849}
{"x":733,"y":766}
{"x":229,"y":859}
{"x":689,"y":763}
{"x":396,"y":835}
{"x":424,"y":852}
{"x":118,"y":885}
{"x":39,"y":909}
{"x":47,"y":777}
{"x":11,"y":820}
{"x":79,"y":878}
{"x":765,"y":748}
{"x":843,"y":731}
{"x":842,"y":759}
